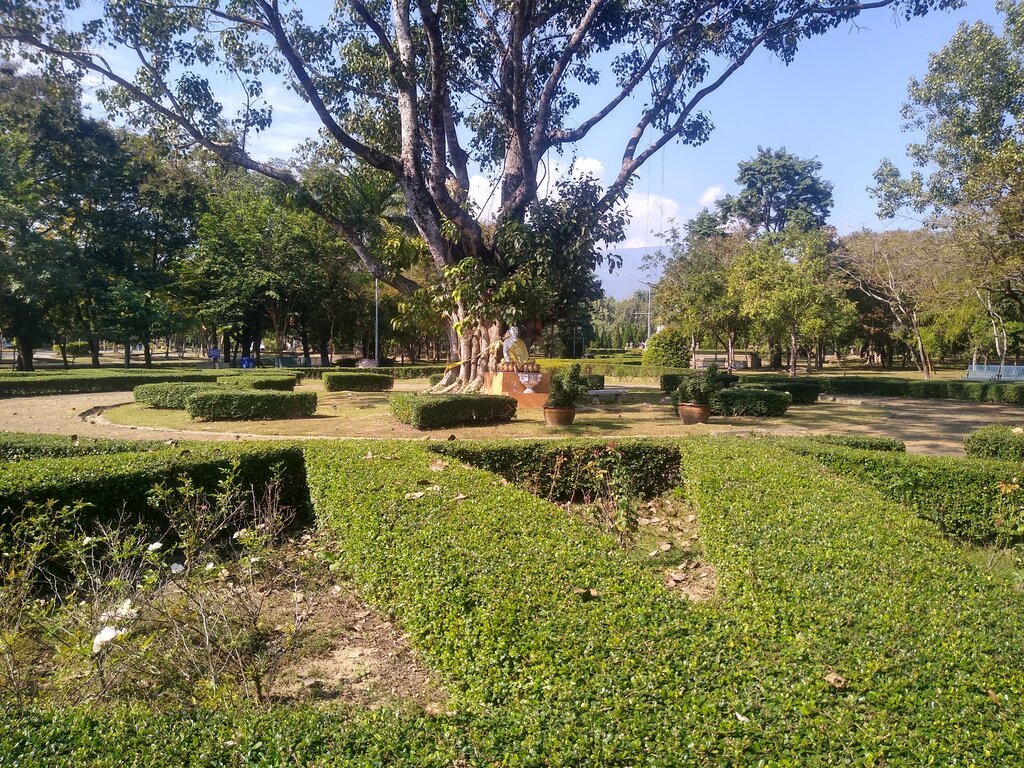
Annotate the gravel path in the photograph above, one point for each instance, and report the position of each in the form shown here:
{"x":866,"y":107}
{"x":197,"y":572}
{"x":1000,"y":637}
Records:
{"x":927,"y":426}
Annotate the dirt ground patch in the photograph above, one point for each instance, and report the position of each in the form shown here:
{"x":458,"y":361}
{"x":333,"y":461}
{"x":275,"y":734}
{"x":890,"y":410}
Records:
{"x":353,"y":654}
{"x":677,"y":554}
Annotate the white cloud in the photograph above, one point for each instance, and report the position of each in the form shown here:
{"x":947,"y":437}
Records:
{"x":650,"y":215}
{"x":711,"y":194}
{"x":485,"y":196}
{"x":588,"y":166}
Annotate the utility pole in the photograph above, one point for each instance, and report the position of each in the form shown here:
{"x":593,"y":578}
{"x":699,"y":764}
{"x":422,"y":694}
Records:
{"x":649,"y":312}
{"x":376,"y":321}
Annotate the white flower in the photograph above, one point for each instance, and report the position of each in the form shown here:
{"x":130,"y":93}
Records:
{"x":88,"y":540}
{"x":156,"y":546}
{"x":240,"y":533}
{"x":104,"y":636}
{"x":177,"y":568}
{"x":123,"y":611}
{"x":209,"y":566}
{"x":1018,"y":430}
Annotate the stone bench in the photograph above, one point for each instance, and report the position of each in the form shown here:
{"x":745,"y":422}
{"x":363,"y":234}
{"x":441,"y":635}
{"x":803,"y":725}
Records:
{"x":597,"y":394}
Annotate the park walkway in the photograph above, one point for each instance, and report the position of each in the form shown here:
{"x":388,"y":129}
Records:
{"x":935,"y":427}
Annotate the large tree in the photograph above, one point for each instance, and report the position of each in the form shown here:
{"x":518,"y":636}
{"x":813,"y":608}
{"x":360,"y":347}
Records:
{"x":778,"y":189}
{"x":427,"y":92}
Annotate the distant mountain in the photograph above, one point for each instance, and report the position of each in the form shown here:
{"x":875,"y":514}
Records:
{"x":630,"y":277}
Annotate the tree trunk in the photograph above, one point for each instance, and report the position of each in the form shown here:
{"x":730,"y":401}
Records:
{"x":792,"y":353}
{"x":94,"y":351}
{"x":23,"y":362}
{"x":730,"y":350}
{"x":324,"y":345}
{"x":147,"y":353}
{"x":775,"y":360}
{"x":304,"y":335}
{"x":127,"y":354}
{"x":63,"y":345}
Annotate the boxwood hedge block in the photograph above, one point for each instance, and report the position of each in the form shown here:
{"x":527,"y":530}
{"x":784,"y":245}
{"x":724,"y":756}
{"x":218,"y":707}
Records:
{"x":976,"y":500}
{"x":741,"y":401}
{"x":671,"y":379}
{"x":436,"y":411}
{"x":973,"y":391}
{"x":120,"y":482}
{"x":357,"y":381}
{"x":277,"y":383}
{"x":995,"y":442}
{"x":168,"y":394}
{"x":864,"y":442}
{"x":17,"y":446}
{"x":75,"y":382}
{"x":249,"y":405}
{"x":564,"y":470}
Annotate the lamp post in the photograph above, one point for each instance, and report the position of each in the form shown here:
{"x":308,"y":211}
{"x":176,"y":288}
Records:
{"x":649,"y":310}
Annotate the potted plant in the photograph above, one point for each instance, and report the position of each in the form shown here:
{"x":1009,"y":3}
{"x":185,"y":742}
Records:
{"x":567,"y":387}
{"x":692,"y":398}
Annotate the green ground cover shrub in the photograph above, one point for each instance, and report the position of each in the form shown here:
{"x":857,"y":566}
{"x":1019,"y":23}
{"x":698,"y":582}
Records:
{"x":278,"y":383}
{"x":169,"y":394}
{"x":249,"y":405}
{"x":974,"y":500}
{"x":350,"y":381}
{"x":100,"y":380}
{"x":741,"y":401}
{"x":995,"y":442}
{"x":17,"y":446}
{"x":118,"y":483}
{"x":835,"y":607}
{"x":564,"y":470}
{"x":436,"y":411}
{"x":225,"y":735}
{"x":435,"y":379}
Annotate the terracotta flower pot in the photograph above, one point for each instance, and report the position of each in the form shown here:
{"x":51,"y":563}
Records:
{"x":689,"y":413}
{"x":559,"y":417}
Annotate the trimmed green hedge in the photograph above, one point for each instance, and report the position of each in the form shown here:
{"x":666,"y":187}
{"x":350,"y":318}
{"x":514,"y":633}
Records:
{"x":975,"y":500}
{"x":351,"y":381}
{"x":276,"y":383}
{"x":741,"y":401}
{"x":804,"y":391}
{"x":561,"y":648}
{"x":249,"y":405}
{"x":435,"y":411}
{"x":995,"y":442}
{"x":863,"y":442}
{"x":611,"y":369}
{"x":76,"y":382}
{"x":568,"y":469}
{"x":17,"y":446}
{"x":120,"y":482}
{"x":168,"y":395}
{"x":971,"y":391}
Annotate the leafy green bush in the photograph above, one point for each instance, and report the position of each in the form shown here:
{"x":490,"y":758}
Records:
{"x":669,"y":347}
{"x":697,"y":389}
{"x":169,"y":394}
{"x":563,"y":470}
{"x":435,"y":411}
{"x":277,"y":383}
{"x":435,"y":379}
{"x":121,"y":482}
{"x":976,"y":500}
{"x":671,"y":380}
{"x":249,"y":405}
{"x":567,"y":386}
{"x":741,"y":401}
{"x":17,"y":446}
{"x":357,"y":382}
{"x":73,"y":349}
{"x":76,"y":381}
{"x":995,"y":442}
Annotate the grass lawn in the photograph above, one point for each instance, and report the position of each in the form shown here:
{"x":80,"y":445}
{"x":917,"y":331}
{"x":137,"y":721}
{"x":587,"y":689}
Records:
{"x":366,"y":415}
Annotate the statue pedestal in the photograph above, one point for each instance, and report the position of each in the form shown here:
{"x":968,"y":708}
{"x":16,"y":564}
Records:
{"x":508,"y":383}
